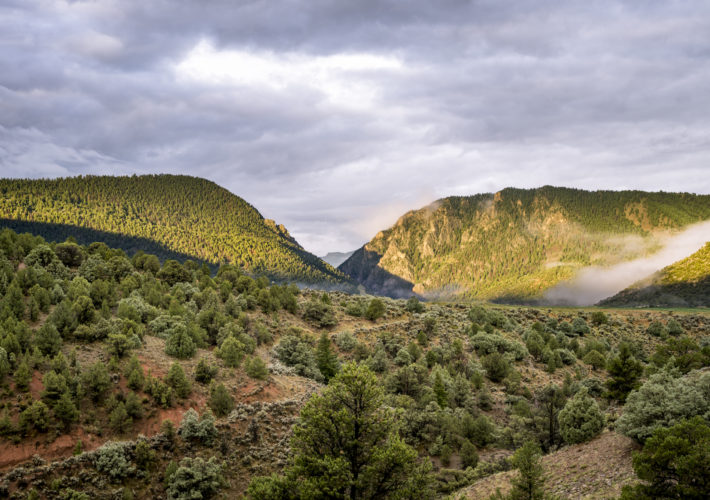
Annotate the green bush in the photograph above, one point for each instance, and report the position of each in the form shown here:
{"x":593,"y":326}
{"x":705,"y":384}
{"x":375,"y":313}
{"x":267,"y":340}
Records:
{"x":112,"y":460}
{"x":119,"y":420}
{"x":256,"y":368}
{"x":663,"y":401}
{"x":656,"y":329}
{"x":296,"y":352}
{"x":496,"y":366}
{"x":35,"y":417}
{"x":231,"y":352}
{"x":220,"y":401}
{"x":180,"y":345}
{"x":48,"y":340}
{"x":196,"y":428}
{"x":595,"y":359}
{"x":469,"y":455}
{"x":195,"y":478}
{"x":375,"y":309}
{"x":581,"y":419}
{"x":178,"y":381}
{"x":96,"y":380}
{"x":319,"y":313}
{"x":205,"y":372}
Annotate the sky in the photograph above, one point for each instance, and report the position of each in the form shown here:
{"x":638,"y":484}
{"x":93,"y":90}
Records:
{"x":336,"y":117}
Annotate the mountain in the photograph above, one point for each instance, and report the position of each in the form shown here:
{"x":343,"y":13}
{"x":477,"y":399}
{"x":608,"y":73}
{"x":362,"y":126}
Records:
{"x":685,"y":283}
{"x":164,"y":214}
{"x":336,"y":258}
{"x":515,"y":244}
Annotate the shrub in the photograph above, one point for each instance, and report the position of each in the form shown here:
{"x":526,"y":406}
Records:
{"x":220,"y":401}
{"x":256,"y":368}
{"x":595,"y":359}
{"x":22,"y":377}
{"x":488,"y":343}
{"x":96,"y":380}
{"x":296,"y":352}
{"x":195,"y":478}
{"x":581,"y":419}
{"x":319,"y":313}
{"x":161,"y":392}
{"x":119,"y":344}
{"x":180,"y":345}
{"x":145,"y":455}
{"x":35,"y":416}
{"x":496,"y":366}
{"x":119,"y":420}
{"x":48,"y":340}
{"x":196,"y":428}
{"x":674,"y":328}
{"x":375,"y":309}
{"x":414,"y":306}
{"x":205,"y":372}
{"x":656,"y":329}
{"x":178,"y":381}
{"x":345,"y":341}
{"x":231,"y":352}
{"x":112,"y":460}
{"x":579,"y":326}
{"x":599,"y":318}
{"x":663,"y":401}
{"x":469,"y":455}
{"x":567,"y":356}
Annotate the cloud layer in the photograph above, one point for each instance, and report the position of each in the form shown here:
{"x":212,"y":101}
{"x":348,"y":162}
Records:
{"x":336,"y":117}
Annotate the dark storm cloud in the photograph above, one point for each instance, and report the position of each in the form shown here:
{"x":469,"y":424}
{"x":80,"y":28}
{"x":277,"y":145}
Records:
{"x":335,"y":117}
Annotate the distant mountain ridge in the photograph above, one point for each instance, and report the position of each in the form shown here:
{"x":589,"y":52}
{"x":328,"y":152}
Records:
{"x":186,"y":215}
{"x":685,"y":283}
{"x":336,"y":258}
{"x":515,"y":244}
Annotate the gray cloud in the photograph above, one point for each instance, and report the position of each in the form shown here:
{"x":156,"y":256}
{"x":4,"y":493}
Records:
{"x":336,"y":117}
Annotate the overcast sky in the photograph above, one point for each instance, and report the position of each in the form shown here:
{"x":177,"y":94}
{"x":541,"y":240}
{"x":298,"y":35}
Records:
{"x":335,"y":117}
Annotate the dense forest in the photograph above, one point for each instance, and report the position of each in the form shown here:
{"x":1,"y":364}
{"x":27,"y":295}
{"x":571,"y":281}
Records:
{"x":517,"y":243}
{"x":175,"y":216}
{"x":128,"y":378}
{"x":685,"y":283}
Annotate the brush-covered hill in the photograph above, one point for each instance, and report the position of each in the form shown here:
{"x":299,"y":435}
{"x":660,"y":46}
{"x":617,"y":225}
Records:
{"x":171,"y":216}
{"x":517,"y":243}
{"x":685,"y":283}
{"x":123,"y":379}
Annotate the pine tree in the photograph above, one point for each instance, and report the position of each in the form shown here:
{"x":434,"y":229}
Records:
{"x":625,"y":372}
{"x":178,"y":381}
{"x":326,"y":360}
{"x":530,"y":480}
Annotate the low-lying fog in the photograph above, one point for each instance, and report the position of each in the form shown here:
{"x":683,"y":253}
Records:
{"x":596,"y":283}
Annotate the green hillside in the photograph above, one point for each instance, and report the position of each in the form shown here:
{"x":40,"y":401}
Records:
{"x":517,"y":243}
{"x":122,"y":378}
{"x":682,"y":284}
{"x":171,"y":216}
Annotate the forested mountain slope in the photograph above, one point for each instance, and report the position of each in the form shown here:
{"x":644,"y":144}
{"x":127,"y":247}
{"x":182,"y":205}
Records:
{"x":181,"y":215}
{"x":685,"y":283}
{"x":517,"y":243}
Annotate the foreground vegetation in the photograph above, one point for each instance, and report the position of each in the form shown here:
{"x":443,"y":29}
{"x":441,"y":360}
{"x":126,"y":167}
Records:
{"x":128,"y":377}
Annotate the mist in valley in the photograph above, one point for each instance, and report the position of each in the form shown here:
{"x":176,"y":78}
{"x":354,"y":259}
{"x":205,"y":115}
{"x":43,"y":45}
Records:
{"x":595,"y":283}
